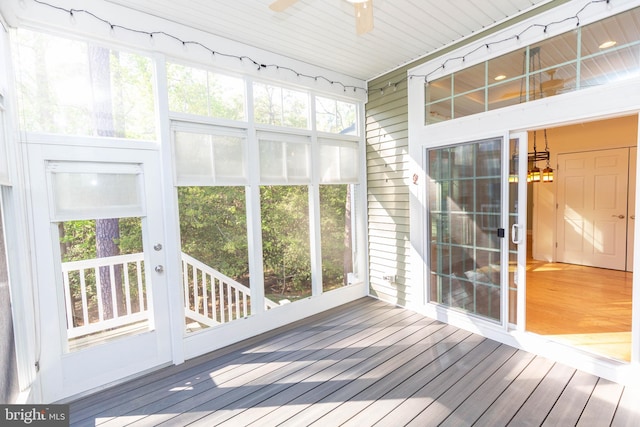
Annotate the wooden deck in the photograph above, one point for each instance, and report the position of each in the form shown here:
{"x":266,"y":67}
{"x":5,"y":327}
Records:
{"x":365,"y":363}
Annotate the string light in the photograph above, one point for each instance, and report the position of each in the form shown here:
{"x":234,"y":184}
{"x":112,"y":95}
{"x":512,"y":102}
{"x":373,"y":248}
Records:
{"x":259,"y":66}
{"x":487,"y":46}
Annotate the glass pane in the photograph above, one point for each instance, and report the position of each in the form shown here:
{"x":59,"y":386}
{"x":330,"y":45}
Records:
{"x":612,"y":66}
{"x":10,"y":388}
{"x":71,"y":87}
{"x":4,"y":164}
{"x":278,"y":106}
{"x":438,"y":112}
{"x":465,"y":213}
{"x":554,"y":51}
{"x":508,"y":93}
{"x":209,"y":158}
{"x":336,"y":234}
{"x":285,"y":241}
{"x":272,"y":160}
{"x":194,"y":157}
{"x":469,"y":79}
{"x":283,"y":162}
{"x":298,"y":162}
{"x":507,"y":67}
{"x":83,"y":195}
{"x":552,"y":66}
{"x":439,"y":164}
{"x":197,"y":91}
{"x":335,"y":116}
{"x":469,"y":103}
{"x":104,"y":280}
{"x":338,"y":163}
{"x":438,"y":89}
{"x":487,"y":164}
{"x":215,"y":263}
{"x":615,"y":31}
{"x":463,"y":160}
{"x":513,"y":219}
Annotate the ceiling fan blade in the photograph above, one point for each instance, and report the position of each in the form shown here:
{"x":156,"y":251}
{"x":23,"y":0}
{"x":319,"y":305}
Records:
{"x":364,"y":16}
{"x":280,"y":5}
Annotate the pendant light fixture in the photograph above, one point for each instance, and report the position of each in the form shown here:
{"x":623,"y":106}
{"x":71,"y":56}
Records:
{"x":547,"y":172}
{"x":534,"y":173}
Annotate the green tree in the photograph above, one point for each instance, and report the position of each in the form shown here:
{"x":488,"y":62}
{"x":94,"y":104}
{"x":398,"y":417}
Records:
{"x":285,"y":235}
{"x":213,"y":227}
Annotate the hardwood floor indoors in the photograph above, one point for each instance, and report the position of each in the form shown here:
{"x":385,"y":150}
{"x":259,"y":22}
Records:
{"x":587,"y":307}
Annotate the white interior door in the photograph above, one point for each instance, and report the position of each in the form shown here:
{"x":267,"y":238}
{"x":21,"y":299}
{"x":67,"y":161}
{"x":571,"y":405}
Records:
{"x":592,"y":208}
{"x":631,"y":212}
{"x":99,"y":238}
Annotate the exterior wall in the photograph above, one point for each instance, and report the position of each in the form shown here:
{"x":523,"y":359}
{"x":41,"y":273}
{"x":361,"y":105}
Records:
{"x":387,"y":142}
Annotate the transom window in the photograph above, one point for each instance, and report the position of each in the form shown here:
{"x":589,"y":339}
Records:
{"x":596,"y":54}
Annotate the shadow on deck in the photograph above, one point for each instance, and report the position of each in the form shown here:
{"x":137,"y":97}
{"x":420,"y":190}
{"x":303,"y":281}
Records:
{"x":364,"y":363}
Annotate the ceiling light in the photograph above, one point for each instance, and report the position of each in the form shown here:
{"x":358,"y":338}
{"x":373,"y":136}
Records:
{"x":607,"y":44}
{"x":499,"y":77}
{"x":357,"y":1}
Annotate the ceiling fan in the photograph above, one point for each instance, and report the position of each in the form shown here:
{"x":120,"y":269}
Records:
{"x":363,"y":12}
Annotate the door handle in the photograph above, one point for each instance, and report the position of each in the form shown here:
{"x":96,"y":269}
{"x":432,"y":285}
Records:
{"x":515,"y":234}
{"x":619,"y":216}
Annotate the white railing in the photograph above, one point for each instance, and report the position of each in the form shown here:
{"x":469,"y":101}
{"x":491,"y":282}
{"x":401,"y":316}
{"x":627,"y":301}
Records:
{"x":89,"y":318}
{"x":210,"y":297}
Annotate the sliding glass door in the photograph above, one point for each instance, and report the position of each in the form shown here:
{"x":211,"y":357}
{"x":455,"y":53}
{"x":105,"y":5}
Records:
{"x":465,"y":227}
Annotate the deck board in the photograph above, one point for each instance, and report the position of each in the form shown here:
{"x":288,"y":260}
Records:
{"x":602,"y":404}
{"x":365,"y":363}
{"x":534,"y":411}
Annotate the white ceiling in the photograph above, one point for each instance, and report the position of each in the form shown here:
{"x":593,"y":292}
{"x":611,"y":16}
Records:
{"x":322,"y":32}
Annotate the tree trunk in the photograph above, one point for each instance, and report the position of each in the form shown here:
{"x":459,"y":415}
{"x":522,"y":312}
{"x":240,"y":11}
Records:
{"x":107,"y":236}
{"x":107,"y":230}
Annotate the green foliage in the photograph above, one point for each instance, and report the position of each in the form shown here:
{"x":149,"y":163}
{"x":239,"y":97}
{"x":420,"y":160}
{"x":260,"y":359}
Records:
{"x":333,"y":225}
{"x":78,"y":238}
{"x":285,"y":234}
{"x":213,"y":227}
{"x":197,"y":91}
{"x":133,"y":96}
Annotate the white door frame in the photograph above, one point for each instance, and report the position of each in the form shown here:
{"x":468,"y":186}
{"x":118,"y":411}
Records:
{"x":64,"y":374}
{"x":519,"y":230}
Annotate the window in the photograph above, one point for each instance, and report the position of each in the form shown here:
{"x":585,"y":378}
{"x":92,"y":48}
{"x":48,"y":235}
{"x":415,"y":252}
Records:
{"x":284,"y":158}
{"x":571,"y":61}
{"x":211,"y":156}
{"x":338,"y":161}
{"x":278,"y":106}
{"x":335,"y":116}
{"x":205,"y":93}
{"x":77,"y":88}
